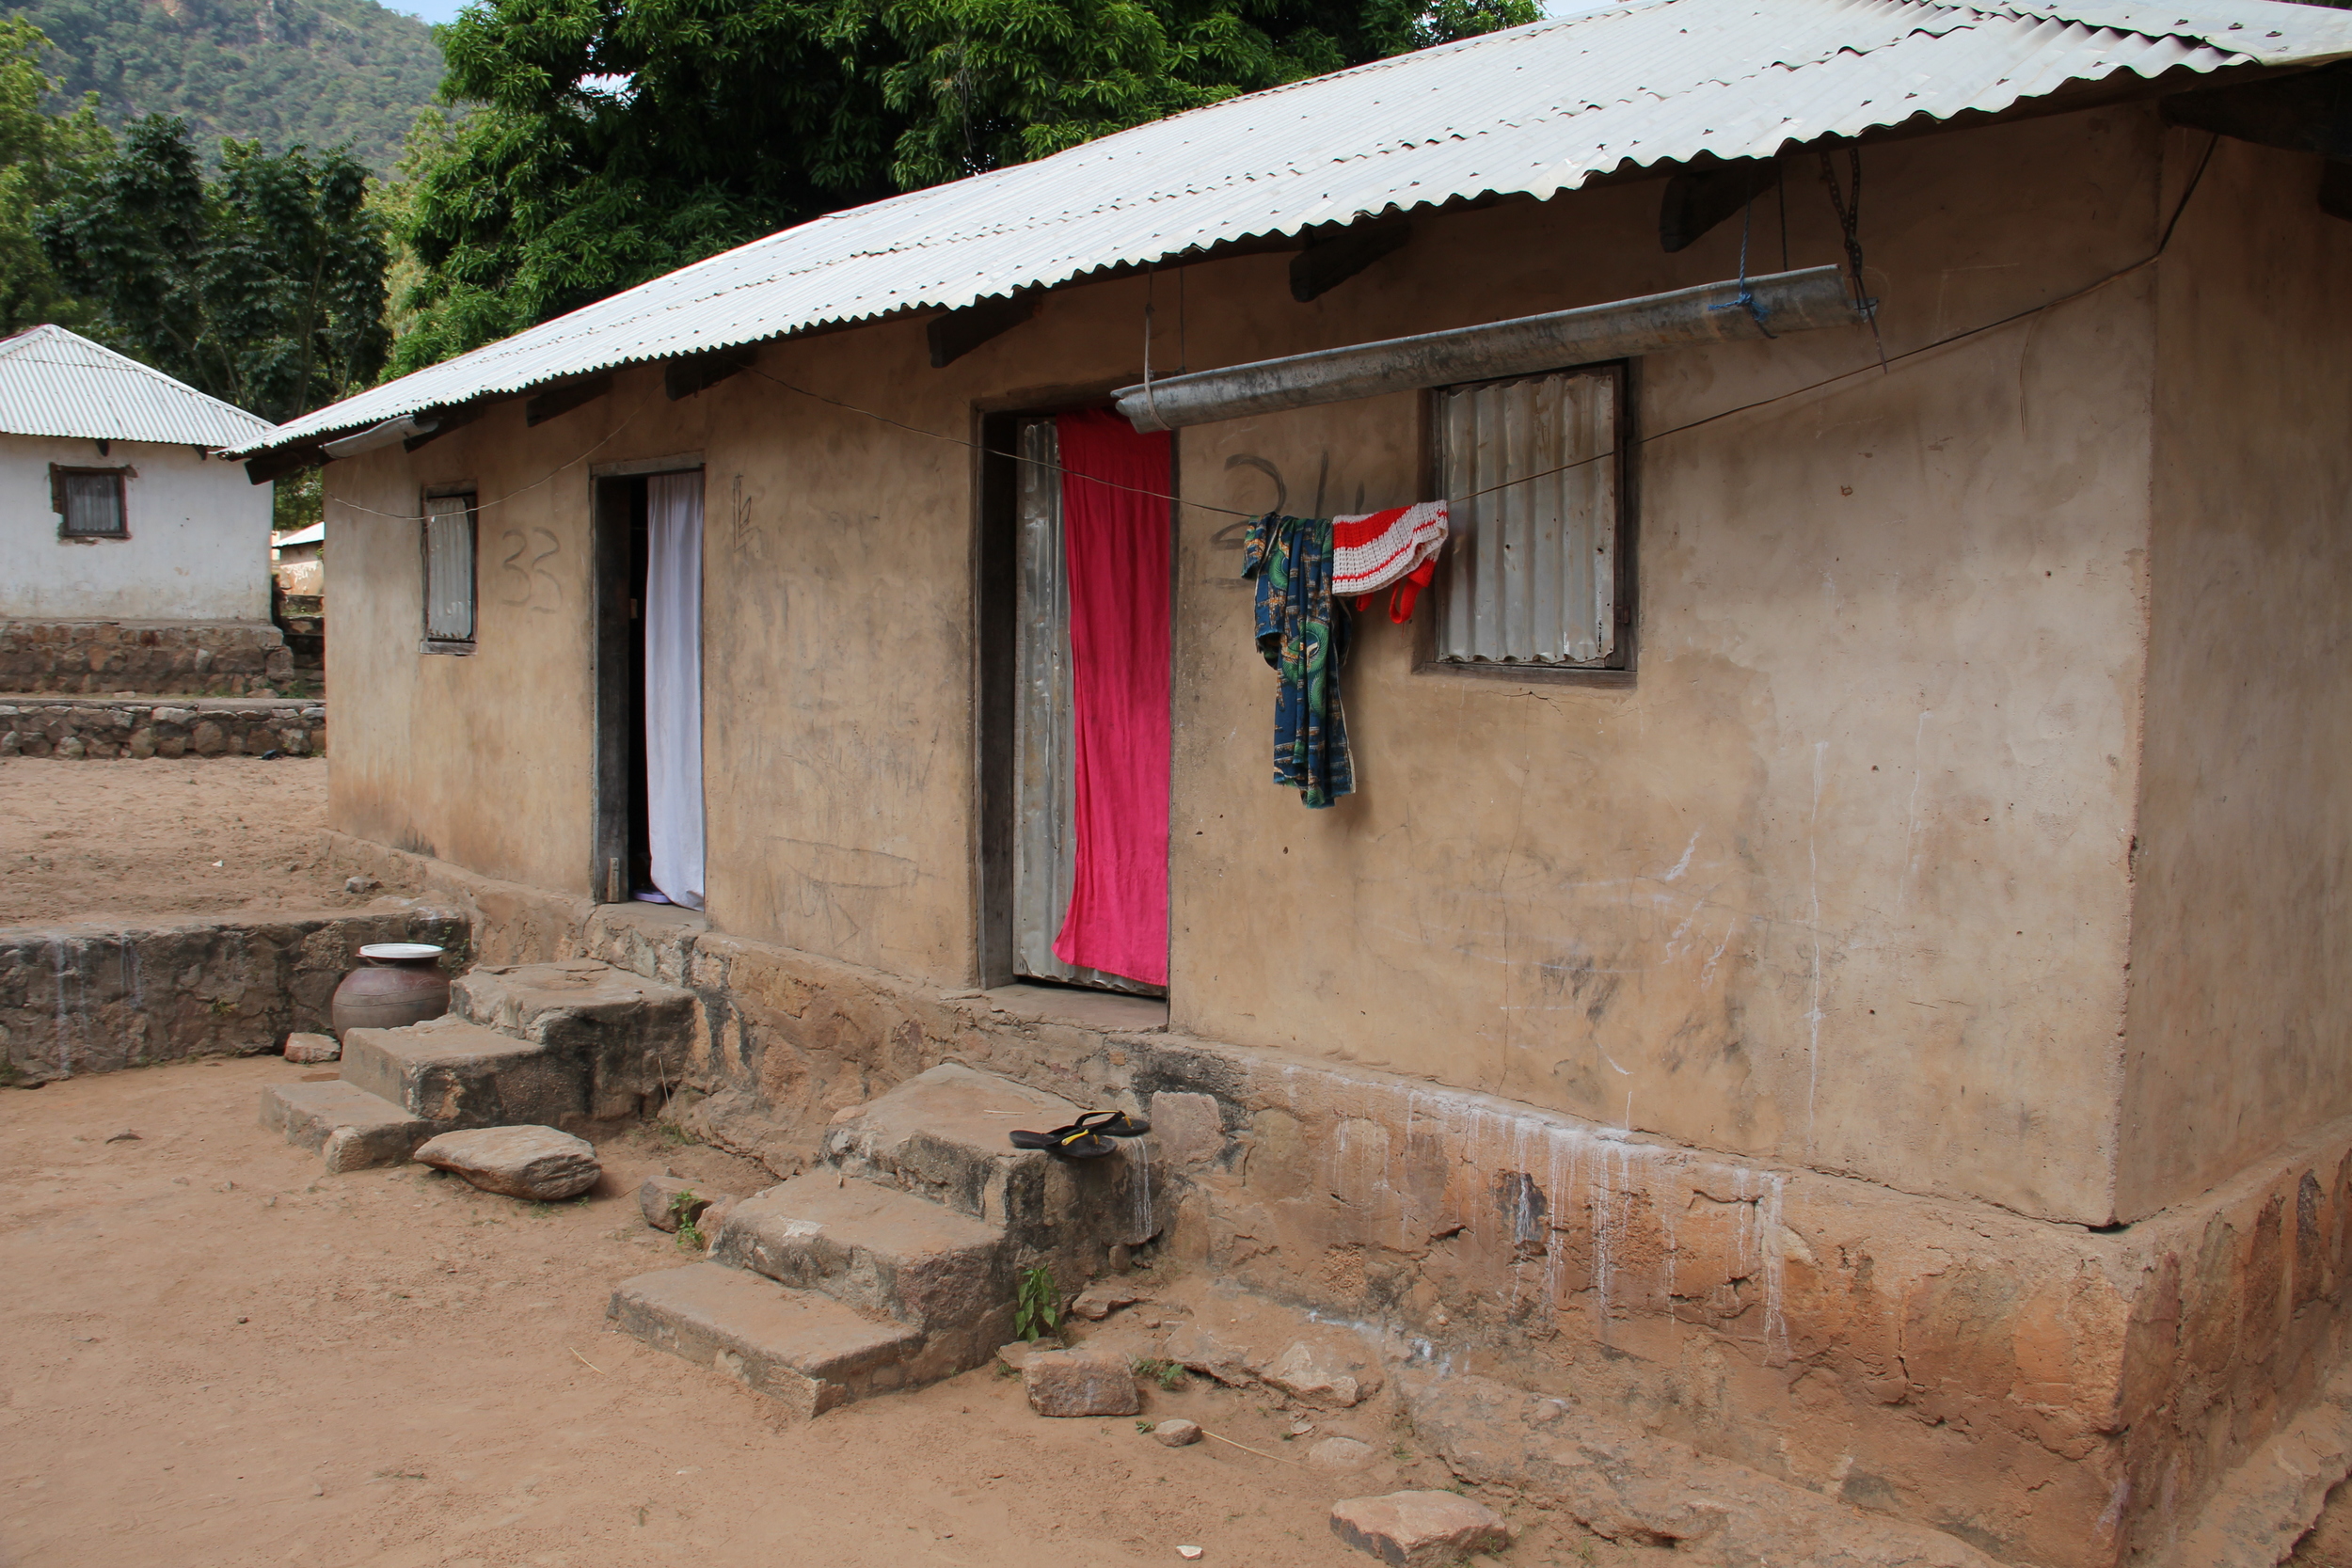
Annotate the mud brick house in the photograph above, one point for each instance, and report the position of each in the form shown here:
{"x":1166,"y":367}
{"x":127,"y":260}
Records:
{"x":1833,"y":946}
{"x":131,"y":556}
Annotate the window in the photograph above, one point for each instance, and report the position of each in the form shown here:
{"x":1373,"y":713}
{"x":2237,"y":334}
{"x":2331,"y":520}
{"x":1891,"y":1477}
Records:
{"x":1538,"y":573}
{"x":449,"y":557}
{"x":88,"y":502}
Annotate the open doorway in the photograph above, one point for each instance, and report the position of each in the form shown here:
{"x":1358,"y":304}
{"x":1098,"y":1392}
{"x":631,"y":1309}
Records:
{"x":1076,"y":577}
{"x":648,"y":811}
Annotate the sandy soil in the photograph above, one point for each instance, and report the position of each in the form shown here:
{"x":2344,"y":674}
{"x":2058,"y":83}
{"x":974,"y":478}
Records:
{"x":215,"y":1356}
{"x":114,"y":841}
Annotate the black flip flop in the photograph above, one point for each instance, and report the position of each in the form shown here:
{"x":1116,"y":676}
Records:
{"x":1068,"y":1143}
{"x":1114,"y":1124}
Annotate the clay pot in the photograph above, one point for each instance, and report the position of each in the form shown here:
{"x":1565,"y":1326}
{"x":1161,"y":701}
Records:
{"x":397,"y":983}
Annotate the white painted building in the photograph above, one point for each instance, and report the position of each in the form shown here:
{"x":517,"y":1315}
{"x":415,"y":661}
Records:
{"x":113,"y":503}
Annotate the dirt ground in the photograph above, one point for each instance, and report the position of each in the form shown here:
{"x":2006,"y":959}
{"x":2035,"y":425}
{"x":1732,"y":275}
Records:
{"x":114,"y":841}
{"x":216,"y":1356}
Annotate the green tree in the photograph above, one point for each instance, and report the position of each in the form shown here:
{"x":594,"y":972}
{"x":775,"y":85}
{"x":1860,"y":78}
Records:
{"x":40,"y":153}
{"x":262,"y":286}
{"x":610,"y":141}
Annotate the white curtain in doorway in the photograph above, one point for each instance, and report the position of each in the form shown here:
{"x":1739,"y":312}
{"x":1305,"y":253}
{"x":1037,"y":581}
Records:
{"x":674,"y":684}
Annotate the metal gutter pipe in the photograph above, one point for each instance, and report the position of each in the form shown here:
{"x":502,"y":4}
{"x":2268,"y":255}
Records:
{"x":1771,"y":306}
{"x":378,"y":436}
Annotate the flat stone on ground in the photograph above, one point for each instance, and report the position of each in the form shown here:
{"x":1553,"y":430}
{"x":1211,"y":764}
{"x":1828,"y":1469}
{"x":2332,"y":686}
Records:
{"x":1080,"y":1383}
{"x":312,"y":1048}
{"x":1419,"y":1529}
{"x":1099,"y":1301}
{"x":1177,"y":1434}
{"x":521,"y":1162}
{"x":1340,"y":1453}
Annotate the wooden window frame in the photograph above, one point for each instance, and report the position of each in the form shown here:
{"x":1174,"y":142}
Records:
{"x":1619,"y":669}
{"x":121,"y":473}
{"x":427,"y":642}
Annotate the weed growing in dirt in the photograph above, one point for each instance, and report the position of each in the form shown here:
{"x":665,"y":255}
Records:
{"x":1143,"y":1426}
{"x":675,"y":1136}
{"x":542,"y":1209}
{"x":690,"y":1235}
{"x":1036,"y":1306}
{"x":1168,"y":1374}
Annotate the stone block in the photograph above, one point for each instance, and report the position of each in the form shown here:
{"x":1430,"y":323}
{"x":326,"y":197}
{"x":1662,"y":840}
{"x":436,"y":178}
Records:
{"x":1322,"y":1375}
{"x":521,"y":1162}
{"x":876,"y":1248}
{"x":657,"y":1200}
{"x":1080,"y":1383}
{"x":312,"y":1048}
{"x":1419,"y":1529}
{"x":807,"y":1352}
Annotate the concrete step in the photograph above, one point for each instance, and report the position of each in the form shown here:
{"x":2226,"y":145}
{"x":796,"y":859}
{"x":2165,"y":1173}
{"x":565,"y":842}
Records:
{"x":804,"y":1350}
{"x":351,"y":1128}
{"x":630,"y":1035}
{"x":456,"y":1072}
{"x":944,"y":1135}
{"x":880,"y":1250}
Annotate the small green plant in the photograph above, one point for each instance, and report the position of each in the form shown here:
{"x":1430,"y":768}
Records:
{"x":1168,"y":1374}
{"x":690,"y":1235}
{"x":1037,"y":1306}
{"x":1144,"y":1427}
{"x":222,"y":1007}
{"x":542,"y":1209}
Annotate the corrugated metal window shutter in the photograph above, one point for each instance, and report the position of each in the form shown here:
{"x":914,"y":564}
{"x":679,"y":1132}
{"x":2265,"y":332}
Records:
{"x":449,"y":552}
{"x":1530,"y":573}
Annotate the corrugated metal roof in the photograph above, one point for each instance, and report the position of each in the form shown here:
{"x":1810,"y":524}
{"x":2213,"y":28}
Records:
{"x":1536,"y":110}
{"x":59,"y":383}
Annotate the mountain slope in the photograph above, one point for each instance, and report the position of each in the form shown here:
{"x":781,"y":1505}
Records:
{"x":322,"y":73}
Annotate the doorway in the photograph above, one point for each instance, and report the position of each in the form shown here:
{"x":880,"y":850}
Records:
{"x":1077,"y":575}
{"x":649,"y":808}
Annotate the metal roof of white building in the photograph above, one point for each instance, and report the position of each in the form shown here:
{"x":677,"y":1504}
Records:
{"x":1536,"y":110}
{"x":59,"y":383}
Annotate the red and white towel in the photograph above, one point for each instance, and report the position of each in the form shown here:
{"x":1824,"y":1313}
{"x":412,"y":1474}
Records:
{"x":1399,"y":545}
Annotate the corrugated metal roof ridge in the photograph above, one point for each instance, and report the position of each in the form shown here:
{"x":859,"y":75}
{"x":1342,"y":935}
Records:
{"x":229,"y":423}
{"x":2025,"y":50}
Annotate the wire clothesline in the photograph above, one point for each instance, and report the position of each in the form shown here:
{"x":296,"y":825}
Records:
{"x":1883,"y":363}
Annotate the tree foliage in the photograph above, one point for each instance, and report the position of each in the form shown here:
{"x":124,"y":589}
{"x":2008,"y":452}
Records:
{"x":40,"y":153}
{"x":283,"y":73}
{"x":611,"y":141}
{"x":262,"y":285}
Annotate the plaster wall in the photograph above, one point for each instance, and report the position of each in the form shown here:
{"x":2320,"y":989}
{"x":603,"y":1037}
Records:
{"x":198,"y":550}
{"x":1837,"y":878}
{"x":2240,"y":1009}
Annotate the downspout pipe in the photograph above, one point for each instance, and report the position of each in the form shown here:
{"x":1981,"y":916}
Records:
{"x":1771,"y":306}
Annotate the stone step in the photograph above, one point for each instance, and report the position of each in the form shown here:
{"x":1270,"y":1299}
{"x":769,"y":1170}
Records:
{"x":351,"y":1128}
{"x":804,"y":1350}
{"x":944,"y":1135}
{"x":880,"y":1250}
{"x":630,"y":1035}
{"x":461,"y":1074}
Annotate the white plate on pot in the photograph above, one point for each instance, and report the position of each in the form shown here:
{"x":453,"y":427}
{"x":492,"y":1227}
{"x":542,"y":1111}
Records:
{"x":400,"y":951}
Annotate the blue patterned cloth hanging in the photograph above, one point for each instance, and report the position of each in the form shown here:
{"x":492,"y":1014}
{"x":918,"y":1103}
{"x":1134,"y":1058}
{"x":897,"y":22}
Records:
{"x":1302,"y":631}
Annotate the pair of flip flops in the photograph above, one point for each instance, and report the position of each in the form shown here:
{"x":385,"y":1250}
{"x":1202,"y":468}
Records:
{"x":1087,"y":1138}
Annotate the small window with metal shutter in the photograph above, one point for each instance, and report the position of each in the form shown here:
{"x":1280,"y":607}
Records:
{"x":448,"y":572}
{"x":89,"y":503}
{"x":1534,"y":575}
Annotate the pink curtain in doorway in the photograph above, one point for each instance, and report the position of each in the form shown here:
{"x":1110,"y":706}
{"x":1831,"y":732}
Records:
{"x":1116,"y":541}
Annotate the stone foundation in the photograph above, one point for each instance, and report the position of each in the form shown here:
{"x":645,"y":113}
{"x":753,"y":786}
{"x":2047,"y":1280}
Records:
{"x":214,"y":659}
{"x":82,"y":999}
{"x":65,"y":727}
{"x":2049,"y":1394}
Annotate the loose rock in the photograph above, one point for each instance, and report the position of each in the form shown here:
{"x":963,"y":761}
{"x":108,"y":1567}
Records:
{"x":312,"y":1048}
{"x":1097,"y":1302}
{"x":360,"y":884}
{"x":1080,"y":1383}
{"x":1340,"y":1453}
{"x":1177,"y":1434}
{"x":1419,"y":1529}
{"x":1200,"y":1351}
{"x":125,"y":1136}
{"x":521,"y":1162}
{"x":1016,"y":1354}
{"x":659,"y":1200}
{"x":1319,"y":1375}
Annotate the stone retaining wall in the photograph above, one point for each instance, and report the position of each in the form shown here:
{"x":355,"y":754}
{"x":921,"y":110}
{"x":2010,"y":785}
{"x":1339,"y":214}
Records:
{"x":2052,"y":1395}
{"x":214,"y":659}
{"x":64,"y":727}
{"x":82,"y":999}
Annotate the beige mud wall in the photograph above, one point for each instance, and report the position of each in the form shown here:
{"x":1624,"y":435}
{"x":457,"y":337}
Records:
{"x":2240,"y":1005}
{"x":1839,"y":879}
